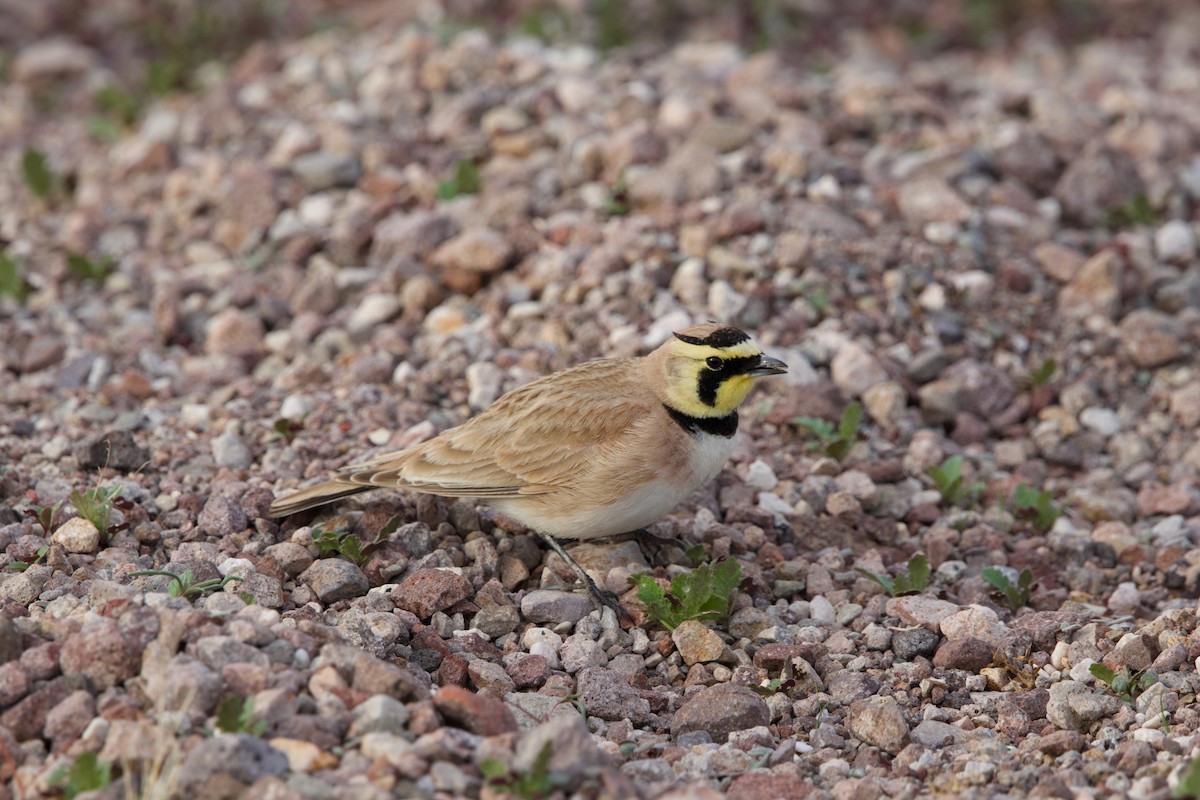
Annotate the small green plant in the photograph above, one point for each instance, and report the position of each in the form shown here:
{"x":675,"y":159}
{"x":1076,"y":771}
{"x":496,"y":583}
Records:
{"x":1189,"y":782}
{"x":44,"y":516}
{"x":235,"y":715}
{"x":39,"y":176}
{"x":912,"y":581}
{"x":12,"y":282}
{"x":535,"y":784}
{"x":785,"y":681}
{"x":616,"y":204}
{"x":347,"y":545}
{"x":21,"y":566}
{"x":87,"y":773}
{"x":185,"y":584}
{"x":464,"y":181}
{"x":1042,"y":375}
{"x":96,"y":506}
{"x":1137,"y":211}
{"x":703,"y":593}
{"x":1014,"y":595}
{"x":834,"y":442}
{"x":285,"y":429}
{"x":611,"y":28}
{"x":1124,"y":684}
{"x":87,"y":269}
{"x":948,"y":480}
{"x":1041,"y":504}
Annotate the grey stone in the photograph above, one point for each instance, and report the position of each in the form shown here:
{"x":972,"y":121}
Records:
{"x":878,"y":721}
{"x":226,"y":764}
{"x":334,"y":579}
{"x":720,"y":710}
{"x":609,"y":696}
{"x":552,"y":605}
{"x":379,"y":713}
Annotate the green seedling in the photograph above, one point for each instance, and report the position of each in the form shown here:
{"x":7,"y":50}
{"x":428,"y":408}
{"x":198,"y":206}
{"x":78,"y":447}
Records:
{"x":1137,"y":211}
{"x":96,"y":506}
{"x":347,"y":545}
{"x":1014,"y":595}
{"x":464,"y":181}
{"x":948,"y":480}
{"x":535,"y":784}
{"x":86,"y":774}
{"x":44,"y":516}
{"x":785,"y":681}
{"x":912,"y":581}
{"x":616,"y":204}
{"x":12,"y":282}
{"x":703,"y":593}
{"x":1042,"y":375}
{"x":21,"y":566}
{"x":1041,"y":504}
{"x":185,"y":585}
{"x":285,"y":429}
{"x":834,"y":442}
{"x":1124,"y":684}
{"x":40,"y":178}
{"x":87,"y":269}
{"x":1189,"y":782}
{"x":235,"y":715}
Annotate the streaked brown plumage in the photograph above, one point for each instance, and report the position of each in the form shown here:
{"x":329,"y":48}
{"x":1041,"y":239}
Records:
{"x":602,"y":448}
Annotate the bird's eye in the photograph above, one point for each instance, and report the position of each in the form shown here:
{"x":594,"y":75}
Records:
{"x":714,"y":362}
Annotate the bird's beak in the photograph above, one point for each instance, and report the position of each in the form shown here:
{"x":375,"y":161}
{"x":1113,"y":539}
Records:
{"x":768,"y":366}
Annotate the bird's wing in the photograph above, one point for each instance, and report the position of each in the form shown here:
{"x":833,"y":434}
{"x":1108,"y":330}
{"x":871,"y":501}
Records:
{"x":537,"y":439}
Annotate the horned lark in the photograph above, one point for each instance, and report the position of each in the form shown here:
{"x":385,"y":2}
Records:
{"x":605,"y":447}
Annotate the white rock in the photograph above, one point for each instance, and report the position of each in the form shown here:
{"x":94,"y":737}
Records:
{"x":1103,"y":421}
{"x":724,"y":302}
{"x":1175,"y":241}
{"x":373,"y":310}
{"x":1125,"y":598}
{"x":239,"y":567}
{"x":854,"y":370}
{"x":296,"y":407}
{"x":77,"y":535}
{"x":230,"y":450}
{"x":760,"y":476}
{"x":483,"y":384}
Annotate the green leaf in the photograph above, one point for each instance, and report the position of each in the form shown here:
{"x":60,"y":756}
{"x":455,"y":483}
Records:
{"x":821,"y":428}
{"x":38,"y":175}
{"x":1025,"y":579}
{"x":12,"y":282}
{"x":1043,"y":374}
{"x":465,"y":181}
{"x":848,"y":428}
{"x":491,"y":769}
{"x":917,"y":577}
{"x":886,"y":582}
{"x":1189,"y":783}
{"x":86,"y":774}
{"x":1103,"y":673}
{"x":996,"y":578}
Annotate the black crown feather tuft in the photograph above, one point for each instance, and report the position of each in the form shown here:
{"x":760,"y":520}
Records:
{"x":721,"y":337}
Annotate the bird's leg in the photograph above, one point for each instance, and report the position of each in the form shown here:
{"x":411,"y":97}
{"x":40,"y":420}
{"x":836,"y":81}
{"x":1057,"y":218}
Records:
{"x":599,"y":595}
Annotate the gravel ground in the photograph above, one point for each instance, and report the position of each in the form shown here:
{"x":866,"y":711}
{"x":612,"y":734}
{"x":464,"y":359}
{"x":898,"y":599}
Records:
{"x":993,"y":250}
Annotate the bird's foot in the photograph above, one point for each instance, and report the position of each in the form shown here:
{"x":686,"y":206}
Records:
{"x":601,"y":597}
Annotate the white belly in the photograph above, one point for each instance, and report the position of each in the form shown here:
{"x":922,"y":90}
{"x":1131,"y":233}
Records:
{"x":643,"y":506}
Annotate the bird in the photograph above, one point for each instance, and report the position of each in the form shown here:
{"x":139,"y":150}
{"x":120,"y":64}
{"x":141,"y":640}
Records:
{"x":606,"y":447}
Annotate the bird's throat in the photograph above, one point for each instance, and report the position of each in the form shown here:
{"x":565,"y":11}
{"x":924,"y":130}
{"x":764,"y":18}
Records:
{"x":725,"y":426}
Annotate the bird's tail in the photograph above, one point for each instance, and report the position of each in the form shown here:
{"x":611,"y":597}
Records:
{"x":315,"y":496}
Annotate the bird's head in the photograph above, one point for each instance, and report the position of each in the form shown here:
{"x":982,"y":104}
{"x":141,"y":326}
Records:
{"x":708,"y":369}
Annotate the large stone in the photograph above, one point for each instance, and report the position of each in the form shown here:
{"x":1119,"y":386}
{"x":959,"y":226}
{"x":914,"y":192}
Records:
{"x":720,"y":710}
{"x":878,"y":721}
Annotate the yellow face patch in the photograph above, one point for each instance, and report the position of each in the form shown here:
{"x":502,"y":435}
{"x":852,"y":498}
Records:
{"x":707,"y":381}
